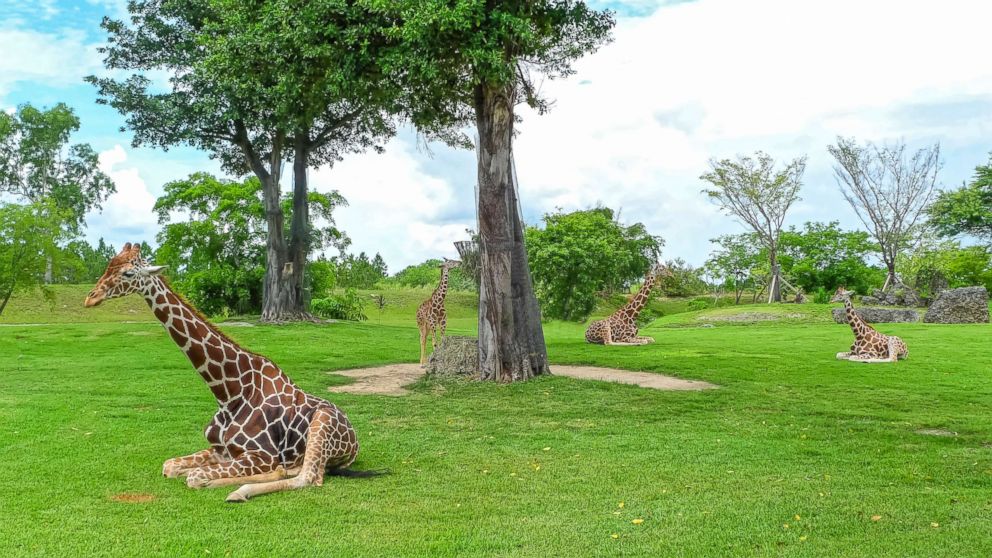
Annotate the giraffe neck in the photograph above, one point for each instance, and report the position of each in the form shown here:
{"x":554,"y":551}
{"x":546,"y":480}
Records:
{"x":640,"y":300}
{"x":855,"y":321}
{"x":442,"y":287}
{"x":220,"y":362}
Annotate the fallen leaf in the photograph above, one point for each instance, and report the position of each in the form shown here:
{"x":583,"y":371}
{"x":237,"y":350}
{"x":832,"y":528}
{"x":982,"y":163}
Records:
{"x":546,"y":449}
{"x":797,"y":518}
{"x":935,"y":524}
{"x":802,"y":538}
{"x":637,"y":521}
{"x":876,"y":517}
{"x":614,"y":536}
{"x":785,"y":525}
{"x":620,"y":505}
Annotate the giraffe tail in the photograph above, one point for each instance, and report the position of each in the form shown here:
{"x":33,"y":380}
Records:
{"x":351,"y":473}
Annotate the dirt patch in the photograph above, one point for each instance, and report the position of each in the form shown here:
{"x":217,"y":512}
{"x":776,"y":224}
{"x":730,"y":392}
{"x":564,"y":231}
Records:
{"x":936,"y":432}
{"x":133,"y":497}
{"x":380,"y":380}
{"x":390,"y":379}
{"x":237,"y":324}
{"x":750,"y":317}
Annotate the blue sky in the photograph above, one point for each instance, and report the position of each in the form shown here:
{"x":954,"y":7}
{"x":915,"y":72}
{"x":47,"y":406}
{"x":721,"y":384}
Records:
{"x":683,"y":81}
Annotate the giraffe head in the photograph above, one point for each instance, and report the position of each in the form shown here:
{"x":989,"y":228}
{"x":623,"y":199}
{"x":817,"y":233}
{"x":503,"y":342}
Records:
{"x":658,"y":272}
{"x":449,"y":264}
{"x":125,"y":274}
{"x":842,"y":295}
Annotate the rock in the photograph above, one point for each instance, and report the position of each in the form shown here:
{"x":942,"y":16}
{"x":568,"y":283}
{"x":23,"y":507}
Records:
{"x":879,"y":315}
{"x":455,"y":355}
{"x":967,"y":305}
{"x":870,"y":301}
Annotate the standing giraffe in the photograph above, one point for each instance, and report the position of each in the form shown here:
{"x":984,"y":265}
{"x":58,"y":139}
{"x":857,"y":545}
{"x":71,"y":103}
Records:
{"x":266,"y":429}
{"x":869,"y":345}
{"x":431,"y":316}
{"x":620,"y":328}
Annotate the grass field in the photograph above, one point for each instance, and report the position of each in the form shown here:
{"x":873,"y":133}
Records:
{"x":797,"y":454}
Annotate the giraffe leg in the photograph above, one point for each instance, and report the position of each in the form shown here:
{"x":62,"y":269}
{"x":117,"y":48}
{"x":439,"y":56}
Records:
{"x":423,"y":346}
{"x":844,"y":356}
{"x":608,"y":335}
{"x":249,"y":464}
{"x":644,"y":340}
{"x":179,"y":466}
{"x":443,"y":326}
{"x":325,"y":444}
{"x":279,"y":473}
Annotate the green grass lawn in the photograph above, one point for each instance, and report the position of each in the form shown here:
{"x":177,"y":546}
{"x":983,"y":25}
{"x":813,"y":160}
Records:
{"x":794,"y":455}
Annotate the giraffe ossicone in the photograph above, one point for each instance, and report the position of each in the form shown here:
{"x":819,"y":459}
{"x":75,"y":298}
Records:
{"x":266,"y":430}
{"x":620,"y":327}
{"x":869,"y":345}
{"x":432,"y":318}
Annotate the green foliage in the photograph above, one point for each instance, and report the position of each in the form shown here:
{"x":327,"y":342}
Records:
{"x":29,"y":237}
{"x":359,"y":271}
{"x":346,"y":306}
{"x":578,"y":255}
{"x":428,"y":274}
{"x":935,"y":265}
{"x":822,"y":296}
{"x":321,"y":277}
{"x":38,"y":164}
{"x":967,"y":210}
{"x":83,"y":263}
{"x":696,"y":305}
{"x":443,"y":51}
{"x":686,"y":279}
{"x":821,"y":255}
{"x":736,"y":261}
{"x":217,"y":254}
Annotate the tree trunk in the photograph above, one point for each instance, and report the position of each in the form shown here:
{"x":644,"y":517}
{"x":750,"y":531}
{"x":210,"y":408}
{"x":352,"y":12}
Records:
{"x":775,"y":294}
{"x":511,"y":340}
{"x":890,"y":278}
{"x":48,"y":270}
{"x":6,"y":298}
{"x":299,"y":242}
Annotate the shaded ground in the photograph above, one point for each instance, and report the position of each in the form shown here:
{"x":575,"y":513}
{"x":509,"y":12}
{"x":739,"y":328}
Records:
{"x":390,"y":379}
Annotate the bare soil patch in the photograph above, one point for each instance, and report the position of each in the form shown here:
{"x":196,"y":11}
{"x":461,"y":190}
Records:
{"x":133,"y":497}
{"x":390,"y":379}
{"x":749,"y":317}
{"x":936,"y":432}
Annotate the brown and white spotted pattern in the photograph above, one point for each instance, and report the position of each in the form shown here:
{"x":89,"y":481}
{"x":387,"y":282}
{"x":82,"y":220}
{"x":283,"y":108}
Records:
{"x":869,"y":345}
{"x":266,"y":428}
{"x":432,"y":320}
{"x":620,"y":328}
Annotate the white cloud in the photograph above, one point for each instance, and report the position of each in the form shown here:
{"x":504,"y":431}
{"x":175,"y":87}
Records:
{"x":394,"y":206}
{"x":46,"y":58}
{"x":127,"y":215}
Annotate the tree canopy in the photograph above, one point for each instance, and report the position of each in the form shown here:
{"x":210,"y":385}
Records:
{"x":579,"y":255}
{"x":966,"y":210}
{"x":29,"y":242}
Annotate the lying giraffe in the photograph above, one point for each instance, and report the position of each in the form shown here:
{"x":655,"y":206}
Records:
{"x":432,"y":319}
{"x":620,"y":328}
{"x":869,"y":345}
{"x":266,"y":429}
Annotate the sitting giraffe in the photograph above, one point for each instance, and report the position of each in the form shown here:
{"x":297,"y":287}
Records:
{"x":431,"y":316}
{"x":267,"y":429}
{"x":620,"y":328}
{"x":869,"y":345}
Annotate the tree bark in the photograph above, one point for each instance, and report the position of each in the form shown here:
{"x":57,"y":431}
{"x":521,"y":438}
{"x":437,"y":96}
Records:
{"x":511,"y":340}
{"x":775,"y":294}
{"x":49,"y":270}
{"x":6,"y":298}
{"x":299,"y":242}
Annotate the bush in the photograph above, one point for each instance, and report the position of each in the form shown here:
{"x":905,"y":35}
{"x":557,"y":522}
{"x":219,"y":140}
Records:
{"x":346,"y":306}
{"x":821,"y":296}
{"x":428,"y":274}
{"x":321,"y":278}
{"x":698,"y":304}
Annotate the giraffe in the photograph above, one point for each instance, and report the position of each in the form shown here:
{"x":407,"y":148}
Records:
{"x":869,"y":345}
{"x":620,"y":328}
{"x":431,"y":316}
{"x":266,"y":430}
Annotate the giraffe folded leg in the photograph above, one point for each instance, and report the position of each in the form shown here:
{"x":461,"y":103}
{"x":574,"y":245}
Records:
{"x":179,"y":466}
{"x":248,"y":464}
{"x":279,"y":473}
{"x":325,"y":443}
{"x":844,"y":356}
{"x":644,"y":340}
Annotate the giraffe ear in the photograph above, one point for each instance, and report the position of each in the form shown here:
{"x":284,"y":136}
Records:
{"x":155,"y":269}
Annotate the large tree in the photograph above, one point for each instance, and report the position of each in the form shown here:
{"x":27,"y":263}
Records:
{"x":967,"y":210}
{"x":578,"y":255}
{"x":213,"y":238}
{"x":29,"y":238}
{"x":38,"y":164}
{"x":888,"y":190}
{"x":750,"y":189}
{"x":255,"y":84}
{"x":470,"y":62}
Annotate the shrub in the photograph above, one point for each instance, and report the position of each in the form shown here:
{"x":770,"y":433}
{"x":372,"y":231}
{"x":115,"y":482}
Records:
{"x":821,"y":296}
{"x":698,"y":304}
{"x":345,"y":306}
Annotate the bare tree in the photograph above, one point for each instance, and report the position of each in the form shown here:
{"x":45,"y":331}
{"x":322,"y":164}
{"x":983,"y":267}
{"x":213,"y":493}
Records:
{"x":888,"y":190}
{"x":753,"y":191}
